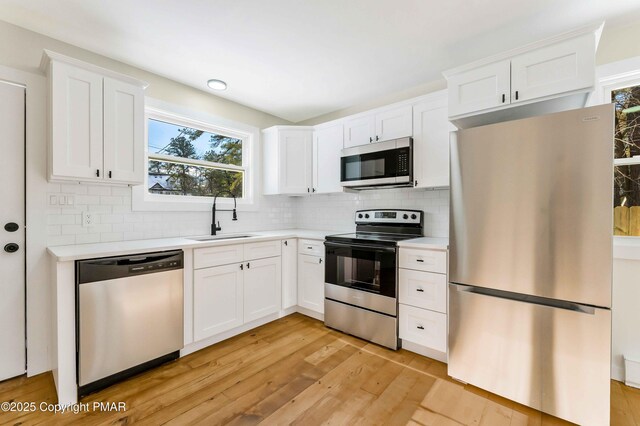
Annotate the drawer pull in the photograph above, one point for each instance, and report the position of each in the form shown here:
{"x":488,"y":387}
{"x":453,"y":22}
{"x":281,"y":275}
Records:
{"x":420,"y":290}
{"x":309,"y":248}
{"x":420,"y":260}
{"x":420,"y":327}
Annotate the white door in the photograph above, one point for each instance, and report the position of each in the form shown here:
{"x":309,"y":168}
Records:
{"x":431,"y":128}
{"x":76,"y":123}
{"x":12,"y":214}
{"x":394,"y":124}
{"x":481,"y":88}
{"x":296,"y":151}
{"x":262,"y":288}
{"x":327,"y":145}
{"x":359,"y":131}
{"x":123,"y":132}
{"x":558,"y":68}
{"x":311,"y":282}
{"x":217,"y":300}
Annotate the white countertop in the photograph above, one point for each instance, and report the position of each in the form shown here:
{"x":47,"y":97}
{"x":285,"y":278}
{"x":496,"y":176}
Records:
{"x":88,"y":251}
{"x":426,"y":243}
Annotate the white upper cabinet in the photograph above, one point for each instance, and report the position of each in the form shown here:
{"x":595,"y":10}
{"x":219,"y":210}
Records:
{"x":562,"y":67}
{"x":384,"y":125}
{"x":431,"y":128}
{"x":393,"y":124}
{"x":288,"y":157}
{"x":97,"y":123}
{"x":76,"y":123}
{"x":480,"y":88}
{"x":544,"y":77}
{"x":327,"y":144}
{"x":123,"y":131}
{"x":359,"y":131}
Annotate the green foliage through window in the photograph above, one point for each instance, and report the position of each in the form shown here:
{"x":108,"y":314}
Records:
{"x":218,"y":165}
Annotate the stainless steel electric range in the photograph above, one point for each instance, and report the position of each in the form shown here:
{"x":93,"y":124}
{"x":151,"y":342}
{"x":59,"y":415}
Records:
{"x":361,"y":274}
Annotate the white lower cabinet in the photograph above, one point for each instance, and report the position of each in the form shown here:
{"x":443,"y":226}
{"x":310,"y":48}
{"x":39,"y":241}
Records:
{"x":289,"y":273}
{"x":217,"y":300}
{"x":422,"y":297}
{"x":262,"y":288}
{"x":311,"y":282}
{"x":424,"y":327}
{"x":246,"y":288}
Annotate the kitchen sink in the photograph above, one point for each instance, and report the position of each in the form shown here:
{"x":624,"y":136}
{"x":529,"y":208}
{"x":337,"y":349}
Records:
{"x":219,"y":237}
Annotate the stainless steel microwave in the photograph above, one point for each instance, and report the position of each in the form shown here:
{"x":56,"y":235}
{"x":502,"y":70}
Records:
{"x":377,"y":165}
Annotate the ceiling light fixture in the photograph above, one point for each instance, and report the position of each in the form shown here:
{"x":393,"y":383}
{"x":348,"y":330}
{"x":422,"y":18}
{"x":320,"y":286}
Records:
{"x":217,"y":84}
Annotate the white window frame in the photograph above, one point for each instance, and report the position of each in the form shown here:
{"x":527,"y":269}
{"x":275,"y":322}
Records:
{"x":617,"y":75}
{"x":143,"y":200}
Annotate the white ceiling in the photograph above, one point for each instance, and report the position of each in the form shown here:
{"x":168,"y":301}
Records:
{"x":298,"y":59}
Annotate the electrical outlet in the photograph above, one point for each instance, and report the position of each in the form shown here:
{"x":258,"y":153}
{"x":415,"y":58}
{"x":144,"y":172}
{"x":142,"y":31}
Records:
{"x":87,"y":219}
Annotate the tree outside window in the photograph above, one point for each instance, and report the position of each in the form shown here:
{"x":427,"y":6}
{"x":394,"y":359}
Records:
{"x":626,"y":200}
{"x":191,"y":162}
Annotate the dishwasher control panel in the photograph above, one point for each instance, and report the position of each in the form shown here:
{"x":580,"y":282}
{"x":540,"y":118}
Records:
{"x":108,"y":268}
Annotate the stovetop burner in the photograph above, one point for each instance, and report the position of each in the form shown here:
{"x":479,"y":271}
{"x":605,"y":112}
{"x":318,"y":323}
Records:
{"x":383,"y":227}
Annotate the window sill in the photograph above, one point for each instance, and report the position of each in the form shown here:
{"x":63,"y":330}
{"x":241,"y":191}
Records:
{"x":143,"y":201}
{"x":626,"y":248}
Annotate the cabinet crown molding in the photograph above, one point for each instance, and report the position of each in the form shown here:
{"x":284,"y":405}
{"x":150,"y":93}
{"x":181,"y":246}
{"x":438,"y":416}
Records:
{"x":48,"y":56}
{"x":595,"y":28}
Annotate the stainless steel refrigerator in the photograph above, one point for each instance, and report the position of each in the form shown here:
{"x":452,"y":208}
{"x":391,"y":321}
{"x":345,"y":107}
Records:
{"x":531,"y":261}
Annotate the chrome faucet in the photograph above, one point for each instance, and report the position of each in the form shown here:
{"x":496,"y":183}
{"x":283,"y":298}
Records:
{"x":215,"y":228}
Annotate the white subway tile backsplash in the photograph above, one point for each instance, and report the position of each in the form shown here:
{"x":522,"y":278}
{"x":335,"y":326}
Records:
{"x":115,"y":221}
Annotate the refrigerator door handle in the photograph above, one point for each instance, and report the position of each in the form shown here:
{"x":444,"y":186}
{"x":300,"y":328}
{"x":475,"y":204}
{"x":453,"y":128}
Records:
{"x":536,"y":300}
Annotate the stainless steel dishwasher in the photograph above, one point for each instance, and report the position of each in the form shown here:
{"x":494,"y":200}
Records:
{"x":129,"y":316}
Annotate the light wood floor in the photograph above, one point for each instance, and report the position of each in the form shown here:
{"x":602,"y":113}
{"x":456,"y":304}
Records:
{"x":296,"y":371}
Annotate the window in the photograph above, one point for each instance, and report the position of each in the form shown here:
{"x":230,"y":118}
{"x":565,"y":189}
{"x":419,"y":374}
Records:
{"x":626,"y":200}
{"x":193,"y":161}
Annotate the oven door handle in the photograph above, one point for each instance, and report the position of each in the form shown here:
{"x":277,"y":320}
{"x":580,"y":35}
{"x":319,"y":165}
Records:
{"x":360,"y":246}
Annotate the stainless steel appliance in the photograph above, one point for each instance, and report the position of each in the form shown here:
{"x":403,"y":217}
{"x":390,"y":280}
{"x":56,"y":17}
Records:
{"x":380,"y":164}
{"x":129,"y":315}
{"x":361,"y":274}
{"x":531,"y":261}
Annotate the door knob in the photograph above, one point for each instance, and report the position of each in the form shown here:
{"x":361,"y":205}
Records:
{"x":11,"y":248}
{"x":11,"y":227}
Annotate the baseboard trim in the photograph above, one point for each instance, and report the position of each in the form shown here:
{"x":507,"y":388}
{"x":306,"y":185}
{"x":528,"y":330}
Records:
{"x":424,"y":351}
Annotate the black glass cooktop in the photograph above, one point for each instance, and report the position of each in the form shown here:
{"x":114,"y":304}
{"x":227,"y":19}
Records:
{"x":370,"y":238}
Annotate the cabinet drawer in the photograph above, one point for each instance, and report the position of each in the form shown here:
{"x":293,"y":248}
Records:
{"x":423,"y":260}
{"x":262,"y":249}
{"x":423,"y":327}
{"x":311,"y":247}
{"x":216,"y":256}
{"x":424,"y":290}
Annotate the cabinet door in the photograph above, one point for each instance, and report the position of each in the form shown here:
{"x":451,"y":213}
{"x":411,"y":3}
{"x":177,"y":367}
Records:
{"x":431,"y":128}
{"x":76,"y":123}
{"x":423,"y":290}
{"x":479,"y":89}
{"x":262,"y":288}
{"x":555,"y":69}
{"x":394,"y":124}
{"x":289,"y":273}
{"x":359,"y":131}
{"x":311,"y":282}
{"x":424,"y":327}
{"x":327,"y":145}
{"x":217,"y":300}
{"x":296,"y":148}
{"x":123,"y":132}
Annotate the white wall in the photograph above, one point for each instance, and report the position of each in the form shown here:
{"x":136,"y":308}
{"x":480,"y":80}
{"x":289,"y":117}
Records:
{"x":625,"y":312}
{"x":336,"y":211}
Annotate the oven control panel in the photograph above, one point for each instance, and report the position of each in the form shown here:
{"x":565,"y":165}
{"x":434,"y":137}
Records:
{"x":389,"y":216}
